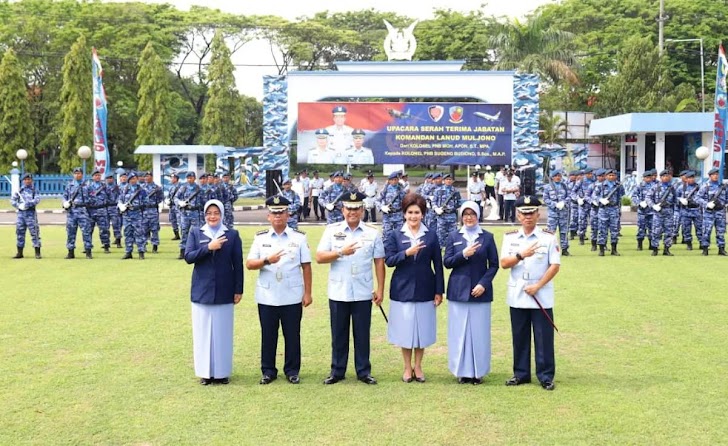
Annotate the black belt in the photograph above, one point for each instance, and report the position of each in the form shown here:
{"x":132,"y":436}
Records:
{"x":192,"y":209}
{"x":96,"y":207}
{"x":449,"y":212}
{"x":78,"y":205}
{"x":28,"y":209}
{"x":150,"y":206}
{"x":610,"y":205}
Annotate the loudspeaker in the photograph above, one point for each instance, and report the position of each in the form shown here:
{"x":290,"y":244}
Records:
{"x":528,"y":181}
{"x":272,"y":177}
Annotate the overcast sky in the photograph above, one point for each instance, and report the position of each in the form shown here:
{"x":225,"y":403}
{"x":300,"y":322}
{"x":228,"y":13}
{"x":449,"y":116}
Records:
{"x":249,"y":79}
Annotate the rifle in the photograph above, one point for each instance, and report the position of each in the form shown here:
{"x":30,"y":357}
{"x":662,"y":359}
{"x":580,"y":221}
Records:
{"x":128,"y":203}
{"x":75,"y":194}
{"x":663,"y":199}
{"x":715,"y":196}
{"x":193,"y":196}
{"x":689,"y":197}
{"x":611,"y":193}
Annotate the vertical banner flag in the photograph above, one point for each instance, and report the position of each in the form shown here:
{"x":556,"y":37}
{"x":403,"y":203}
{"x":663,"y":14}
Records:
{"x":721,"y":102}
{"x":102,"y":159}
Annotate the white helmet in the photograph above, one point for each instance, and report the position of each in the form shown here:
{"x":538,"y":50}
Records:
{"x":487,"y":167}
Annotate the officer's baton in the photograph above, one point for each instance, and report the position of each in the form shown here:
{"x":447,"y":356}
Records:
{"x":551,"y":321}
{"x":280,"y":192}
{"x":383,"y":314}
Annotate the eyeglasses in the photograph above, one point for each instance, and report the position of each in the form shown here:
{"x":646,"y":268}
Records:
{"x":210,"y":214}
{"x":469,"y":214}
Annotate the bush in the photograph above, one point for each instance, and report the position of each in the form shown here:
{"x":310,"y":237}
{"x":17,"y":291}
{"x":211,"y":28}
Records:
{"x":626,"y":201}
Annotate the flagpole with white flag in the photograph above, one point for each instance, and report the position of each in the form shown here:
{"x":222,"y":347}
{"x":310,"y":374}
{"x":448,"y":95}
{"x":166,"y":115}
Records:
{"x":721,"y":103}
{"x":102,"y":159}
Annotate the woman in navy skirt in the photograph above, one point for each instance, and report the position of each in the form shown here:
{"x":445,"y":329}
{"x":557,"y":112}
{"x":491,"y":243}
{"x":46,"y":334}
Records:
{"x":416,"y":287}
{"x":473,"y":257}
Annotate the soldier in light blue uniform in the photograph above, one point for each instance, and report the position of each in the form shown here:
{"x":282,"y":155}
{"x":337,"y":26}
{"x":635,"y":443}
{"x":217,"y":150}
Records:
{"x":445,"y":205}
{"x":294,"y":205}
{"x":112,"y":198}
{"x":571,"y":183}
{"x":25,"y":200}
{"x":282,"y":255}
{"x":690,"y":215}
{"x":173,"y":210}
{"x":533,"y":257}
{"x":390,"y":202}
{"x":557,"y":198}
{"x":190,"y":202}
{"x":155,"y":195}
{"x":594,"y":206}
{"x":430,"y":219}
{"x":229,"y":195}
{"x":609,"y":196}
{"x":582,"y":195}
{"x":644,"y":211}
{"x":75,"y":200}
{"x":351,"y":247}
{"x":713,"y":196}
{"x":331,"y":199}
{"x":131,"y":205}
{"x":676,"y":220}
{"x":662,"y":200}
{"x":97,"y":213}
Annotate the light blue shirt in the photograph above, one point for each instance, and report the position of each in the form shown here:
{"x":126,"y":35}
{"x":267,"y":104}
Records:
{"x":351,"y":277}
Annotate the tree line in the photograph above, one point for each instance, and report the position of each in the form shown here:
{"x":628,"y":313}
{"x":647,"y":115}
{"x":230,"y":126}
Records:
{"x":169,"y":77}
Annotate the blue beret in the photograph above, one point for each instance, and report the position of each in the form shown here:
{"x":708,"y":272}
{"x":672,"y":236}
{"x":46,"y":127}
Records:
{"x":683,"y":172}
{"x":665,"y":172}
{"x":600,"y":172}
{"x":347,"y":176}
{"x":77,"y":170}
{"x":321,"y":133}
{"x":588,"y":170}
{"x":286,"y":181}
{"x":96,"y":171}
{"x":527,"y":204}
{"x":393,"y":176}
{"x":190,"y":174}
{"x":554,"y":173}
{"x":436,"y":175}
{"x":689,"y":174}
{"x":337,"y":173}
{"x":358,"y":132}
{"x":646,"y":173}
{"x":132,"y":175}
{"x":611,"y":171}
{"x":339,"y":109}
{"x":574,"y":173}
{"x":174,"y":175}
{"x":27,"y":175}
{"x":446,"y":176}
{"x":109,"y":175}
{"x":713,"y":170}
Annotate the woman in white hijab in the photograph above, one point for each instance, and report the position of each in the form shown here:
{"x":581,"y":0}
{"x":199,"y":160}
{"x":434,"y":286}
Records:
{"x":472,"y":255}
{"x":217,"y":285}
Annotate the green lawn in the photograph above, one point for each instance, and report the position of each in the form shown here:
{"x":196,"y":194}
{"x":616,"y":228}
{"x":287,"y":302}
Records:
{"x":55,"y":203}
{"x":100,"y":352}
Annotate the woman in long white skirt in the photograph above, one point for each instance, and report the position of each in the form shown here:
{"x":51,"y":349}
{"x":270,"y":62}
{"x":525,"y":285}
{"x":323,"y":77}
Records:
{"x":472,"y":254}
{"x":217,"y":285}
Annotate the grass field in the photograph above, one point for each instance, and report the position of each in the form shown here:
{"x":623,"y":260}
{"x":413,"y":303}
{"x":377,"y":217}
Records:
{"x":55,"y":203}
{"x":100,"y":352}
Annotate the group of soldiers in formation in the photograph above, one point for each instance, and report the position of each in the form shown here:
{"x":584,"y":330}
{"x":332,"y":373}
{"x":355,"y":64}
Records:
{"x":664,"y":207}
{"x":587,"y":198}
{"x":130,"y":208}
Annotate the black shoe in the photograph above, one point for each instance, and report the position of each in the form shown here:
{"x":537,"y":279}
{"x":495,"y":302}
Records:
{"x":19,"y":254}
{"x":721,"y":251}
{"x":548,"y":385}
{"x":154,"y":249}
{"x":666,"y":252}
{"x":639,"y":245}
{"x":369,"y":379}
{"x":106,"y":249}
{"x":705,"y":251}
{"x":572,"y":235}
{"x":594,"y":245}
{"x":477,"y":381}
{"x":176,"y":235}
{"x":126,"y":256}
{"x":37,"y":253}
{"x":331,"y":379}
{"x":141,"y":256}
{"x":408,"y":380}
{"x":689,"y":245}
{"x":293,"y":379}
{"x":565,"y":252}
{"x":266,"y":380}
{"x":682,"y":241}
{"x":71,"y":254}
{"x":205,"y":381}
{"x":581,"y":239}
{"x":654,"y":251}
{"x":464,"y":380}
{"x":614,"y":249}
{"x":221,"y":380}
{"x":601,"y":250}
{"x":181,"y":255}
{"x":117,"y":242}
{"x":88,"y":254}
{"x":516,"y":381}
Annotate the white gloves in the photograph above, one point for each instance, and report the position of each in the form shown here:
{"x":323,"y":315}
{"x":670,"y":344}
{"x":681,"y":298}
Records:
{"x":182,"y":204}
{"x":657,"y":208}
{"x":560,"y":205}
{"x":429,"y":205}
{"x":604,"y":201}
{"x":22,"y":206}
{"x":580,"y":201}
{"x":168,"y":202}
{"x":683,"y":201}
{"x":330,"y":207}
{"x":438,"y":210}
{"x":710,"y":205}
{"x":385,"y":208}
{"x":643,"y":204}
{"x":66,"y":204}
{"x":122,"y":207}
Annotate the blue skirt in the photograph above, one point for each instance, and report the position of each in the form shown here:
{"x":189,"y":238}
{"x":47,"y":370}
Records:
{"x":412,"y":324}
{"x":468,"y":339}
{"x":212,"y":339}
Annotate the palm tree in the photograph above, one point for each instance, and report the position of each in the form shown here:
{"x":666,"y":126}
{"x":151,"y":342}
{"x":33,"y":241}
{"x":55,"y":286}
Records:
{"x":533,"y":48}
{"x":552,"y":128}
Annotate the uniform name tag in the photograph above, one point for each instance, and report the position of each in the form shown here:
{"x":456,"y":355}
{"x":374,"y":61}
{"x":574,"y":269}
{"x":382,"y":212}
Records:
{"x":266,"y":245}
{"x":457,"y":243}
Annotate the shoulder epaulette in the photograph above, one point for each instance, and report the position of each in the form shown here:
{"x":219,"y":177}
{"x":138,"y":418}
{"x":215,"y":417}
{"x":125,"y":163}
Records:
{"x":511,"y":232}
{"x":547,"y":231}
{"x":264,"y":231}
{"x":299,"y":231}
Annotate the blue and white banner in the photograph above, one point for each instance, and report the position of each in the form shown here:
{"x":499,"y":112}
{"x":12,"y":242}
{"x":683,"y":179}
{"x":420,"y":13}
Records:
{"x":721,"y":101}
{"x":102,"y":158}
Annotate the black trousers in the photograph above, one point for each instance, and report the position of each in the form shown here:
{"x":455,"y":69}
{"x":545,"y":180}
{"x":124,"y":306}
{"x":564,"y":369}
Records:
{"x":543,"y":339}
{"x":370,"y":213}
{"x":501,"y":209}
{"x":306,"y":209}
{"x":360,"y":315}
{"x":489,"y":192}
{"x":509,"y":209}
{"x":289,"y":317}
{"x":316,"y":207}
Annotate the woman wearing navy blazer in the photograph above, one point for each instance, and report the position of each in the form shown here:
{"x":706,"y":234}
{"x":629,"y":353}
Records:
{"x":416,"y":287}
{"x":217,"y":285}
{"x":473,"y":257}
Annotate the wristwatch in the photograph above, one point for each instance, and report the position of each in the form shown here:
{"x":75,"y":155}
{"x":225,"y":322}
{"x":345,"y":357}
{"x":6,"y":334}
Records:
{"x":266,"y":261}
{"x":519,"y":256}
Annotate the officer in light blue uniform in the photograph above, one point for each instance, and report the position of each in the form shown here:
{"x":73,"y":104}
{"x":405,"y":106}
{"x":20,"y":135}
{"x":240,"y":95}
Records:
{"x":430,"y":219}
{"x":713,"y":196}
{"x":582,"y":195}
{"x":131,"y":205}
{"x":445,"y":205}
{"x":662,"y":200}
{"x":390,"y":203}
{"x":571,"y":183}
{"x":230,"y":195}
{"x":557,"y":199}
{"x":644,"y":212}
{"x":532,"y":254}
{"x":25,"y":200}
{"x":112,"y":197}
{"x":677,"y":210}
{"x":608,"y":195}
{"x":282,"y":255}
{"x":294,"y":203}
{"x":150,"y":214}
{"x":690,"y":215}
{"x":97,"y":213}
{"x":351,"y":247}
{"x":190,"y":202}
{"x":600,"y":175}
{"x":75,"y":200}
{"x":174,"y":218}
{"x":331,"y":199}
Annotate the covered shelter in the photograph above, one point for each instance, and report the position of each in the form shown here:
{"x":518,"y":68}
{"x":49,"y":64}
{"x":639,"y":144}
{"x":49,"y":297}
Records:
{"x":658,"y":140}
{"x":179,"y":159}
